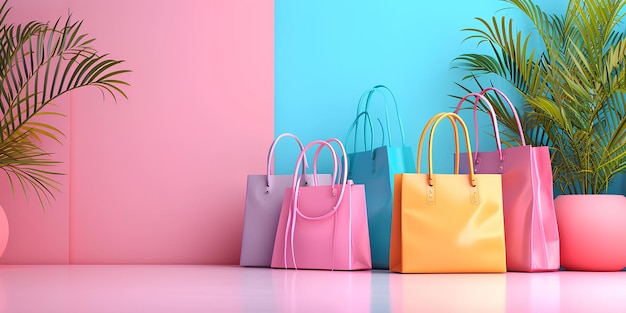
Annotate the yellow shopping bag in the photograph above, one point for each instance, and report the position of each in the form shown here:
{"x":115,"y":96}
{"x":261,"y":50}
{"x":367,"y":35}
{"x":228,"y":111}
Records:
{"x":447,"y":223}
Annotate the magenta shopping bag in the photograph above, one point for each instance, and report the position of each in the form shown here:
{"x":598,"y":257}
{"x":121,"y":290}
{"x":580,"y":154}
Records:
{"x":323,"y":227}
{"x":264,"y":197}
{"x":531,"y":232}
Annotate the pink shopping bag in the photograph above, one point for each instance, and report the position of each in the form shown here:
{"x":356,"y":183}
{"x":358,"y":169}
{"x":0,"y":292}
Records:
{"x":264,"y":197}
{"x":323,"y":227}
{"x":531,"y":232}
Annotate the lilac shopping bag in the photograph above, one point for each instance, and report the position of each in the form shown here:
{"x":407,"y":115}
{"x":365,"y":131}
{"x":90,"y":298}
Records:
{"x":264,"y":197}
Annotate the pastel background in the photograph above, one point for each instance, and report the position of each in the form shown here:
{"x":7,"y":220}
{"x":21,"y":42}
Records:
{"x":160,"y":177}
{"x":329,"y":52}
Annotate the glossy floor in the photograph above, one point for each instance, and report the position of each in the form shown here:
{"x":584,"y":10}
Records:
{"x":194,"y":288}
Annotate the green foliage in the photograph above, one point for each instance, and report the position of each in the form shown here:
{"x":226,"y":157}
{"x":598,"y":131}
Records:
{"x":572,"y":79}
{"x":39,"y":62}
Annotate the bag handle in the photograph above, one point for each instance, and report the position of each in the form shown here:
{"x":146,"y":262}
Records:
{"x":506,"y":99}
{"x":434,"y":121}
{"x":337,"y":178}
{"x":271,"y":154}
{"x":492,"y":114}
{"x":355,"y":123}
{"x":457,"y":156}
{"x":368,"y":96}
{"x":291,"y":219}
{"x":343,"y":180}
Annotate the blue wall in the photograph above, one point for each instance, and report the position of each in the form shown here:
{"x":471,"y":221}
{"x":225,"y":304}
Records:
{"x":328,"y":52}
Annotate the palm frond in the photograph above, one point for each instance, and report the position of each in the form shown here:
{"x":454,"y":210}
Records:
{"x":39,"y":62}
{"x":573,"y":85}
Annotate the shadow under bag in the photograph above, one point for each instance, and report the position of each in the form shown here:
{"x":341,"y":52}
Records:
{"x":447,"y":223}
{"x":530,"y":226}
{"x":264,"y":198}
{"x":375,"y":168}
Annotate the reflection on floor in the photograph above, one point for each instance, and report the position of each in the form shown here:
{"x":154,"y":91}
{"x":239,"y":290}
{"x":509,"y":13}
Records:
{"x":195,"y":288}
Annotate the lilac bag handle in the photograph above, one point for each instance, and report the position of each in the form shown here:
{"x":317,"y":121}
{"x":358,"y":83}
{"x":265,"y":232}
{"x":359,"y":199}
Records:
{"x":291,"y":220}
{"x":271,"y":154}
{"x":519,"y":124}
{"x":493,"y":120}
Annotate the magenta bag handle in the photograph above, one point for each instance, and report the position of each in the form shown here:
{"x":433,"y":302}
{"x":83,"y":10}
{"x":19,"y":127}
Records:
{"x":494,"y":120}
{"x":519,"y":124}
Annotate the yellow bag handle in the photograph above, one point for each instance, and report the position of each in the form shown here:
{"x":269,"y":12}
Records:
{"x":454,"y":118}
{"x":456,"y":143}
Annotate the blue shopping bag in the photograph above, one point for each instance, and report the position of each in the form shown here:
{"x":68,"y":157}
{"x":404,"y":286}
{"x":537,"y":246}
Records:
{"x":375,"y":167}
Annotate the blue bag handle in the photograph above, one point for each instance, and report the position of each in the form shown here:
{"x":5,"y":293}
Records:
{"x":365,"y":115}
{"x":368,"y":96}
{"x":354,"y":125}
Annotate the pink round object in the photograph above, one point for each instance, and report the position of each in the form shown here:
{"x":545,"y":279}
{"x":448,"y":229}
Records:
{"x":4,"y":231}
{"x":592,"y":231}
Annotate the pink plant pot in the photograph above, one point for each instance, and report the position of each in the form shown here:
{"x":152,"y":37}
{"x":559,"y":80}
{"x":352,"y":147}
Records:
{"x":4,"y":231}
{"x":592,"y":231}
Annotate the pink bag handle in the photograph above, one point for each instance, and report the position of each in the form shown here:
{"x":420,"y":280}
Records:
{"x":291,"y":220}
{"x":271,"y":154}
{"x":344,"y":175}
{"x":494,"y":122}
{"x":340,"y":176}
{"x":519,"y":124}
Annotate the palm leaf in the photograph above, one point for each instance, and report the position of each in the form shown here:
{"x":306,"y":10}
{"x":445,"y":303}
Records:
{"x":573,"y":85}
{"x":39,"y":62}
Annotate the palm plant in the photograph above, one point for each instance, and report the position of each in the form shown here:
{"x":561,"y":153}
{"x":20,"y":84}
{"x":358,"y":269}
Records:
{"x":570,"y":71}
{"x":39,"y":62}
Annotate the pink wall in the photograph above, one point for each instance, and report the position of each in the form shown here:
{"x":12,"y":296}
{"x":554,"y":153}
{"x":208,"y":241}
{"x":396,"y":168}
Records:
{"x":160,"y":178}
